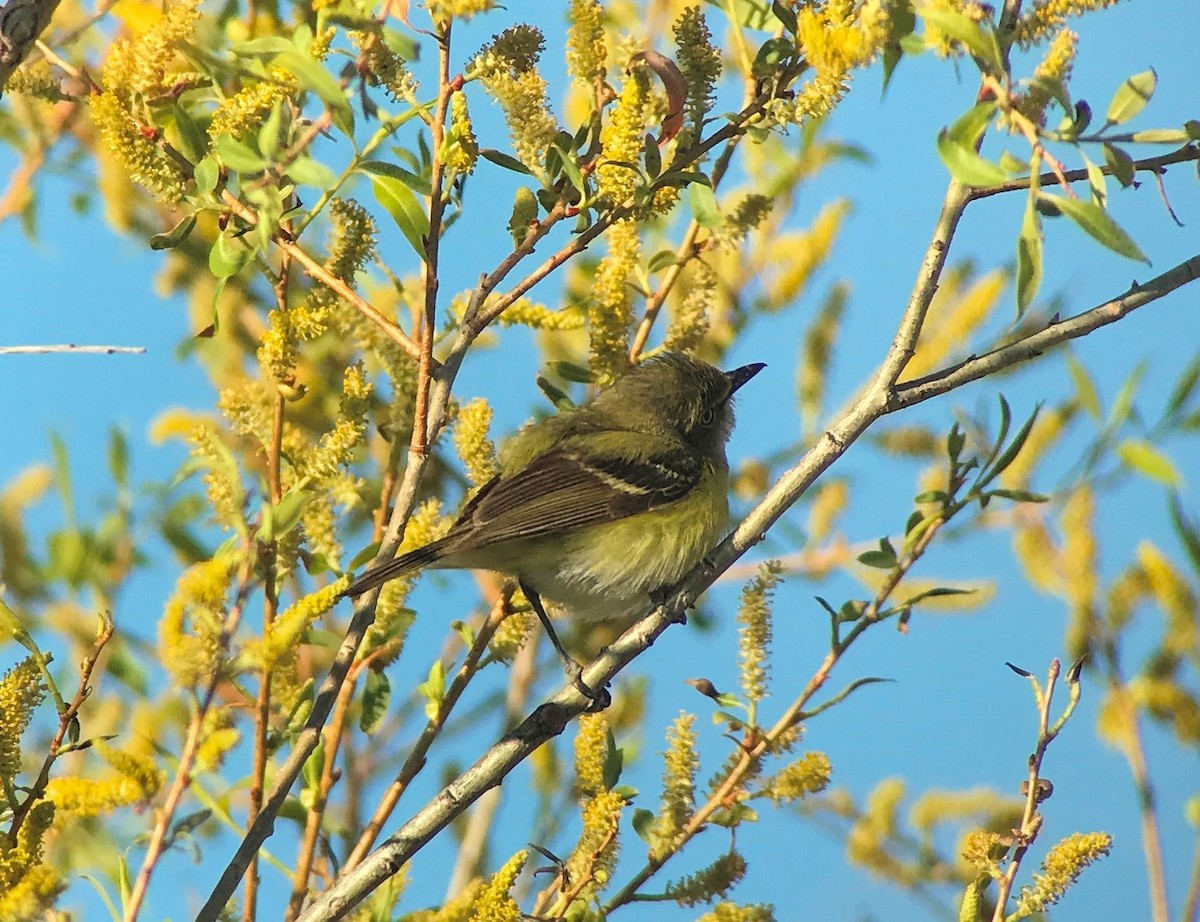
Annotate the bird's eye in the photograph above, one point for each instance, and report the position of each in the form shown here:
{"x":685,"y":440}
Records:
{"x":707,"y":417}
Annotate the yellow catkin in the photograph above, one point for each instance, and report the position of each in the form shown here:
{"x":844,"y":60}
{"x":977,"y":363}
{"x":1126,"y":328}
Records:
{"x":1046,"y":16}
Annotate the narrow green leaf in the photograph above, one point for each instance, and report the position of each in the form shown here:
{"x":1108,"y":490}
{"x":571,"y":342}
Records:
{"x":1120,"y":163}
{"x":419,"y":184}
{"x":238,"y":156}
{"x":376,"y":698}
{"x":1148,"y":460}
{"x":969,"y":127}
{"x":1097,"y":185}
{"x":979,"y":41}
{"x":1085,"y":388}
{"x":1188,"y":529}
{"x":1131,"y":97}
{"x":313,"y":76}
{"x":174,"y":236}
{"x":227,"y":256}
{"x":1161,"y":136}
{"x":192,"y":140}
{"x":1096,"y":222}
{"x":1182,"y":392}
{"x":402,"y":204}
{"x":306,"y":171}
{"x":1029,"y":257}
{"x":661,"y":260}
{"x":206,"y":175}
{"x":704,"y":207}
{"x":505,"y":161}
{"x":966,"y":165}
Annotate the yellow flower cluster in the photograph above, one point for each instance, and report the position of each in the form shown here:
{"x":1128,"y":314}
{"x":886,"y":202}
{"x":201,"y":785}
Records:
{"x":700,"y":63}
{"x":952,"y":319}
{"x":715,"y":880}
{"x":754,"y":633}
{"x":192,"y":654}
{"x":472,"y":442}
{"x":1055,"y":68}
{"x":942,"y":44}
{"x":587,"y":52}
{"x":681,"y":762}
{"x":836,"y":39}
{"x":611,"y":310}
{"x":622,"y":137}
{"x":136,"y":782}
{"x":1048,"y":15}
{"x":135,"y":72}
{"x":132,"y":142}
{"x":444,"y":10}
{"x":21,"y":691}
{"x":387,"y":69}
{"x":538,"y":316}
{"x":689,"y":322}
{"x":461,"y":149}
{"x":494,"y":902}
{"x":591,"y":752}
{"x":28,"y":888}
{"x":807,"y":775}
{"x":1061,"y":868}
{"x":507,"y":69}
{"x":245,"y":111}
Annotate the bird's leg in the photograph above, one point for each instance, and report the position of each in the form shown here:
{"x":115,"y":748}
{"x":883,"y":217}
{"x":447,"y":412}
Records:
{"x":600,"y":700}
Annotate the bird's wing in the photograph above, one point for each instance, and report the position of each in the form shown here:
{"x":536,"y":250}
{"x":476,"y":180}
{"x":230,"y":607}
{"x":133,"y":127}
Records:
{"x":562,"y":490}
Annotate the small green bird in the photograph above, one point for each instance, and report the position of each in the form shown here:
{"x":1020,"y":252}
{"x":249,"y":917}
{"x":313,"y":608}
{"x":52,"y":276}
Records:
{"x":598,"y":506}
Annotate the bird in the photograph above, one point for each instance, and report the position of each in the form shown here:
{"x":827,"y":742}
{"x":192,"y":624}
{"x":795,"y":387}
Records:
{"x":600,"y":506}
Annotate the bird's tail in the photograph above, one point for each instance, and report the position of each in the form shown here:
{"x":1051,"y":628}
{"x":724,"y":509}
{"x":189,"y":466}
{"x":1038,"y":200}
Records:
{"x":399,"y":566}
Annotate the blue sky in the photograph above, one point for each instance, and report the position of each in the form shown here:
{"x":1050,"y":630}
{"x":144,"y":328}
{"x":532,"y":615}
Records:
{"x":954,"y":717}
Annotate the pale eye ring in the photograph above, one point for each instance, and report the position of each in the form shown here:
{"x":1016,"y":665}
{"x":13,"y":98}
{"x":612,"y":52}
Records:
{"x":707,"y":417}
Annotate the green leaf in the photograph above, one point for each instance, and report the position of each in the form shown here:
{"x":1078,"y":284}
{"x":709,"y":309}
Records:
{"x":1029,"y":257}
{"x":1120,"y":163}
{"x":366,"y":554}
{"x":643,"y":823}
{"x":970,"y":126}
{"x":614,"y":763}
{"x":1014,"y":448}
{"x":555,"y":395}
{"x":175,"y":236}
{"x":306,"y":171}
{"x":505,"y":161}
{"x":882,"y":559}
{"x":227,"y":256}
{"x":238,"y":156}
{"x":1189,"y":531}
{"x":313,"y":76}
{"x":661,"y":260}
{"x":1161,"y":136}
{"x":206,"y":175}
{"x":901,"y":23}
{"x":1020,"y":496}
{"x":1097,"y":185}
{"x":1096,"y":222}
{"x":979,"y":41}
{"x":1085,"y":388}
{"x":419,"y":184}
{"x":433,"y":689}
{"x":376,"y":698}
{"x":1131,"y":97}
{"x":118,"y":457}
{"x":966,"y":165}
{"x":1148,"y":460}
{"x":703,"y":202}
{"x":1182,"y":392}
{"x":192,"y":140}
{"x":402,"y":204}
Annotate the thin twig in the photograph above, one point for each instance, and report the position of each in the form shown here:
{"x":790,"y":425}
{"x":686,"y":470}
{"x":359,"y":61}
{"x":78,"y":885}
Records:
{"x":72,"y":349}
{"x":187,"y":758}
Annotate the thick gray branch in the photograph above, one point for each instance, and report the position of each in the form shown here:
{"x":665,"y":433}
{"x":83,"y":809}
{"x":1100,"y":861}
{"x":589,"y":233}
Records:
{"x":21,"y":22}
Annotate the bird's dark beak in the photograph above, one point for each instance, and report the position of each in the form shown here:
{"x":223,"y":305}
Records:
{"x":740,"y":376}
